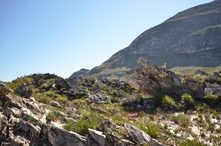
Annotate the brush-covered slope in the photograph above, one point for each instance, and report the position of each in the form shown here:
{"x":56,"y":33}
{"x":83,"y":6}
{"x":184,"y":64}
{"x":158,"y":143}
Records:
{"x":190,"y":38}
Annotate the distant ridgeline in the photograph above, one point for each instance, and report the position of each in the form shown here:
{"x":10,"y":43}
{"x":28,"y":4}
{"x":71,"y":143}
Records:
{"x":190,"y":38}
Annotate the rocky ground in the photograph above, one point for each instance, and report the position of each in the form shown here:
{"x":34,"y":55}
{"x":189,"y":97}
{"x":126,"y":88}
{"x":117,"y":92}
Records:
{"x":155,"y":107}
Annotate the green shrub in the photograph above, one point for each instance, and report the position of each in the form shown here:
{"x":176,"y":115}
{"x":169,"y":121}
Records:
{"x":17,"y":82}
{"x":150,"y":128}
{"x":187,"y":99}
{"x":211,"y":98}
{"x":54,"y":116}
{"x":168,"y":102}
{"x":46,"y":97}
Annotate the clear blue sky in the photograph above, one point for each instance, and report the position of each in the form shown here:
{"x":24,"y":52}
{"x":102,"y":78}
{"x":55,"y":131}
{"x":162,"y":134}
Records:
{"x":63,"y":36}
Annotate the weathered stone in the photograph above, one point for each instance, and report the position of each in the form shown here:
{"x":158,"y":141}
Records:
{"x":127,"y":142}
{"x":24,"y":90}
{"x":98,"y":136}
{"x":3,"y":127}
{"x":26,"y":131}
{"x":19,"y":141}
{"x":15,"y":112}
{"x":15,"y":101}
{"x":154,"y":142}
{"x":99,"y":98}
{"x":138,"y":135}
{"x":62,"y":137}
{"x":4,"y":89}
{"x":55,"y":104}
{"x":151,"y":79}
{"x":212,"y":89}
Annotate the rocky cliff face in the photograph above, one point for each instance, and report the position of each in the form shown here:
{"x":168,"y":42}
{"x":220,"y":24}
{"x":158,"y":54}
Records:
{"x":190,"y":38}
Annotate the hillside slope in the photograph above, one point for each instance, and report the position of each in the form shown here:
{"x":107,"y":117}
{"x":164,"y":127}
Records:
{"x":190,"y":38}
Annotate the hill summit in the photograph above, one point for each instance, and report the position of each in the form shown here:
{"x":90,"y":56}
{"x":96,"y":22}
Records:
{"x":190,"y":38}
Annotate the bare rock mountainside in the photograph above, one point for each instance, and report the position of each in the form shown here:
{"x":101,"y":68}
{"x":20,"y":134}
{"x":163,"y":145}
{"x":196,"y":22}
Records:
{"x":190,"y":38}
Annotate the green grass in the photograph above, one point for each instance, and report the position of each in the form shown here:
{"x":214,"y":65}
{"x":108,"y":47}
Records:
{"x":54,"y":116}
{"x":151,"y":129}
{"x":194,"y":142}
{"x":46,"y":97}
{"x":81,"y":126}
{"x":182,"y":120}
{"x":19,"y":81}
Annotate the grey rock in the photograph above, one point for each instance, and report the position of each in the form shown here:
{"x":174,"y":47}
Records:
{"x":98,"y":136}
{"x":212,"y":89}
{"x":62,"y":137}
{"x":4,"y":89}
{"x":28,"y":131}
{"x":55,"y":104}
{"x":15,"y":112}
{"x":151,"y":79}
{"x":99,"y":98}
{"x":154,"y":142}
{"x":24,"y":90}
{"x":138,"y":135}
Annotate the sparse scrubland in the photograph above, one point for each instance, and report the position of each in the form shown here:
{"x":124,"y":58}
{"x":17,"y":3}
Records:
{"x":81,"y":104}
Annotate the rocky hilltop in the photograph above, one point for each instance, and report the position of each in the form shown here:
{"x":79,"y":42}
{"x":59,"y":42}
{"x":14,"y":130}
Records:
{"x":190,"y":38}
{"x":156,"y":107}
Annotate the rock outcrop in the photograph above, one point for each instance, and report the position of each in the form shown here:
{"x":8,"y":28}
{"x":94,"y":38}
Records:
{"x":151,"y":79}
{"x":24,"y":90}
{"x":24,"y":122}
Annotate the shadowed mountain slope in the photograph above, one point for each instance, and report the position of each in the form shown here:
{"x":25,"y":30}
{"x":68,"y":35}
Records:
{"x":190,"y":38}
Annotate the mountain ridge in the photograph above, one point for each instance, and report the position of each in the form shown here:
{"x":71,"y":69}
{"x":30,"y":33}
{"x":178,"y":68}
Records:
{"x":189,"y":38}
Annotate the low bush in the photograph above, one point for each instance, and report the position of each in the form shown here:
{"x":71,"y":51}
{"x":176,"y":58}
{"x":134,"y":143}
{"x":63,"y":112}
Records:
{"x":182,"y":119}
{"x":211,"y":99}
{"x":168,"y":102}
{"x":19,"y":81}
{"x":187,"y":100}
{"x":150,"y":128}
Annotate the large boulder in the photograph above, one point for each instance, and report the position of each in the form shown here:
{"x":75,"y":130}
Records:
{"x":24,"y":90}
{"x":138,"y":135}
{"x":151,"y":79}
{"x":98,"y":136}
{"x":62,"y":137}
{"x":212,"y":89}
{"x":99,"y":98}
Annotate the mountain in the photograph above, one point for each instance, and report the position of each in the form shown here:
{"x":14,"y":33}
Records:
{"x":190,"y":38}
